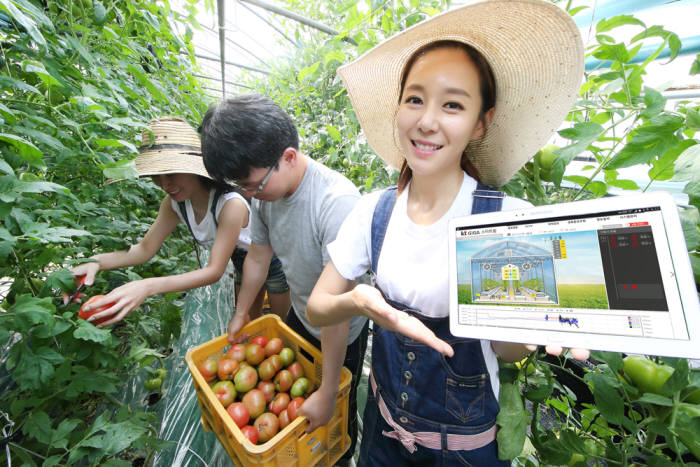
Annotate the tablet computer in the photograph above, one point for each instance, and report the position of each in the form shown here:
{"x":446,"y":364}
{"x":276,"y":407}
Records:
{"x":605,"y":274}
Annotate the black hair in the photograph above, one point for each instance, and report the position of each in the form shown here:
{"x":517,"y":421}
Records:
{"x":487,"y":88}
{"x":221,"y":187}
{"x":248,"y":131}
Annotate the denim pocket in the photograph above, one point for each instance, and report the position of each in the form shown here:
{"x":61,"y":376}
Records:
{"x":465,"y":398}
{"x":466,"y":381}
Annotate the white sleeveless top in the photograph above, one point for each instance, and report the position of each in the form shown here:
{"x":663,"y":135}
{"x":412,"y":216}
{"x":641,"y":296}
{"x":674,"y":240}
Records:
{"x":205,"y":231}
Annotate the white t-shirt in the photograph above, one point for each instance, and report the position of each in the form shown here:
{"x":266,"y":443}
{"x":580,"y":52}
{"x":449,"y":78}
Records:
{"x":205,"y":231}
{"x":413,"y":263}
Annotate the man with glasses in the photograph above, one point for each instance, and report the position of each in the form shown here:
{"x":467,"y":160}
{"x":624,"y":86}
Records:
{"x":297,"y":207}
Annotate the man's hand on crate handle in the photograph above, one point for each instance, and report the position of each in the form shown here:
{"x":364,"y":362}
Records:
{"x":318,"y":408}
{"x":240,"y":319}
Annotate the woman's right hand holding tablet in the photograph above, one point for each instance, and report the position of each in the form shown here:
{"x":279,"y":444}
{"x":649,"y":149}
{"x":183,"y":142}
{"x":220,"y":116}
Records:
{"x":370,"y":301}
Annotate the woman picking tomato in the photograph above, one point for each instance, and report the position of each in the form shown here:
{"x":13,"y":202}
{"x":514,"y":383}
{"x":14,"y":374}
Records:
{"x":458,"y":102}
{"x":216,"y":216}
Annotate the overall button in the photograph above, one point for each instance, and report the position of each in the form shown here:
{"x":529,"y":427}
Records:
{"x":403,"y":420}
{"x":407,"y":374}
{"x":410,"y":356}
{"x":404,"y":396}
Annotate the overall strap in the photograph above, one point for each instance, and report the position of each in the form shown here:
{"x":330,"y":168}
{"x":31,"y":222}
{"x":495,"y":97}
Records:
{"x":486,"y":199}
{"x":183,"y":211}
{"x":380,"y":221}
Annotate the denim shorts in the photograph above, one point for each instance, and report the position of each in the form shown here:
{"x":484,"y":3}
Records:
{"x":275,"y":283}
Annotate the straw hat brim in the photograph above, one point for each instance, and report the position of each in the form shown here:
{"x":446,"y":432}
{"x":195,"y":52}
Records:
{"x":169,"y":161}
{"x":170,"y":145}
{"x":535,"y":52}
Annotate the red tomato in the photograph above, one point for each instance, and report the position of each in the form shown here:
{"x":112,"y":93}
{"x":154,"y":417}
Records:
{"x":254,"y":400}
{"x":227,"y":368}
{"x":293,"y":407}
{"x":251,"y":433}
{"x":273,"y":346}
{"x":208,"y":369}
{"x":86,"y":314}
{"x":236,"y":352}
{"x":279,"y":403}
{"x":260,"y":340}
{"x":254,"y":353}
{"x":239,"y":413}
{"x":284,"y":419}
{"x":268,"y":425}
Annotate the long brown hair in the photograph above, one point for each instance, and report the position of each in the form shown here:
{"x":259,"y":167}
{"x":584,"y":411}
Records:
{"x":487,"y":88}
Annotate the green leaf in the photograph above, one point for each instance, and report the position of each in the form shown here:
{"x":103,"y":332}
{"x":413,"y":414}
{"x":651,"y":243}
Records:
{"x":87,"y":381}
{"x":654,"y":101}
{"x":87,"y":332}
{"x":8,"y":114}
{"x":42,"y":137}
{"x":663,"y":168}
{"x":692,"y":119}
{"x":46,"y":234}
{"x":655,"y":399}
{"x":116,"y":143}
{"x":33,"y":66}
{"x":26,"y":150}
{"x":38,"y":425}
{"x":648,"y":141}
{"x":690,"y":220}
{"x":609,"y":24}
{"x":63,"y":431}
{"x":335,"y":134}
{"x":116,"y":437}
{"x":607,"y":400}
{"x":30,"y":311}
{"x":512,"y":418}
{"x":687,"y":165}
{"x":308,"y":71}
{"x":8,"y":82}
{"x":334,"y":55}
{"x":35,"y":368}
{"x":27,"y":23}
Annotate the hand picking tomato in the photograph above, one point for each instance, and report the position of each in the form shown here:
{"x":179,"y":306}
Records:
{"x":86,"y":314}
{"x":645,"y":374}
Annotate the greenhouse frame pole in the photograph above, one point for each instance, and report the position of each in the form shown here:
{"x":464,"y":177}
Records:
{"x":222,"y":43}
{"x":298,"y":18}
{"x":215,"y":59}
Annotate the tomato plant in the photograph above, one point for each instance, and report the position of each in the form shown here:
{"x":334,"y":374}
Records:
{"x":76,"y":89}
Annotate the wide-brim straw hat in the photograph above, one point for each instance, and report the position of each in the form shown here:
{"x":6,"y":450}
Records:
{"x":535,"y":52}
{"x":170,"y":145}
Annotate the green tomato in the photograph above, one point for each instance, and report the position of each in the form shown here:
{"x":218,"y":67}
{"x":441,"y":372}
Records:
{"x":576,"y":459}
{"x":544,"y":158}
{"x":693,"y":397}
{"x":645,"y":374}
{"x":161,"y":373}
{"x":152,"y":384}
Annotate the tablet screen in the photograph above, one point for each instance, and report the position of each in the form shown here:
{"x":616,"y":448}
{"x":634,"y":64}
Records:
{"x":606,"y":273}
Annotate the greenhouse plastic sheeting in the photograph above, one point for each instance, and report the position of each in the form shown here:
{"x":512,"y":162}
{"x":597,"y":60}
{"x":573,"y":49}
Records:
{"x":206,"y":314}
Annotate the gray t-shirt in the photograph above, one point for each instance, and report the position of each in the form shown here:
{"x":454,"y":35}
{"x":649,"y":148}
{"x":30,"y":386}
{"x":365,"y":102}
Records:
{"x":300,"y":227}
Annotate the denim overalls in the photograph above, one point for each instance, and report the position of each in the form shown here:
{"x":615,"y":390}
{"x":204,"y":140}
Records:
{"x":423,"y":390}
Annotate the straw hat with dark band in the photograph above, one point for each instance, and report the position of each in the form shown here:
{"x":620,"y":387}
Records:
{"x":171,"y":146}
{"x":535,"y":51}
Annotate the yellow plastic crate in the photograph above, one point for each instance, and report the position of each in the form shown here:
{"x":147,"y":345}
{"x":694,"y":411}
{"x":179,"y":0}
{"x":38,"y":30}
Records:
{"x":291,"y":446}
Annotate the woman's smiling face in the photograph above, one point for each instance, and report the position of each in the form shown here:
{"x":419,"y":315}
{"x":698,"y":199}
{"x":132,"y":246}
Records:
{"x":440,"y":110}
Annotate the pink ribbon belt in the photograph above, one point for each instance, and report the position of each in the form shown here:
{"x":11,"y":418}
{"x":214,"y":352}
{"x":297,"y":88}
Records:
{"x":429,"y":439}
